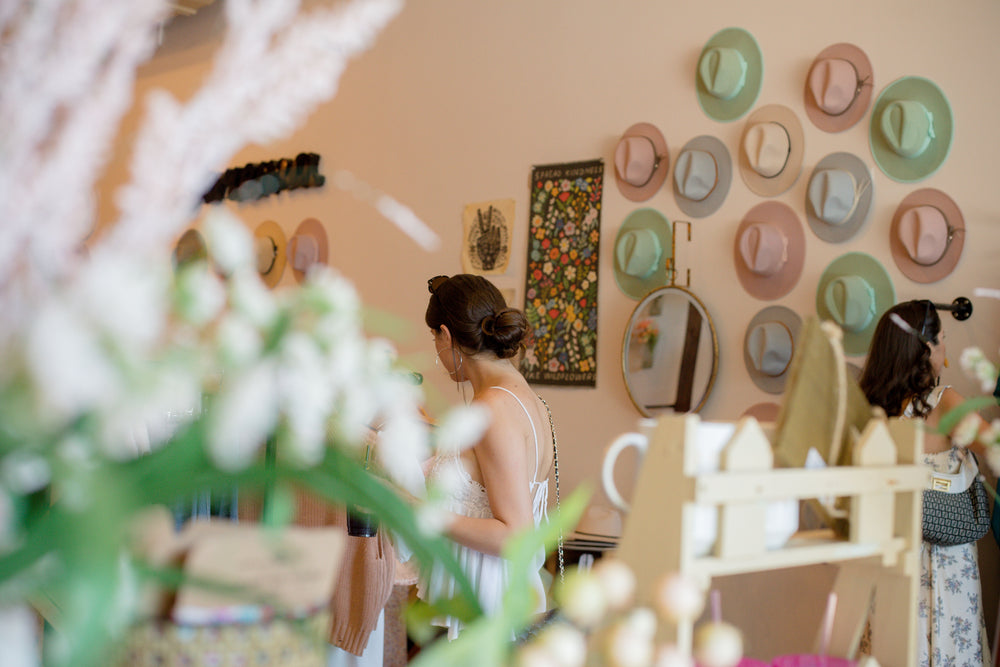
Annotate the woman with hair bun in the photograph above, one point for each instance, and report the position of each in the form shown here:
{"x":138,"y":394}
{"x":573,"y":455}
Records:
{"x":902,"y":375}
{"x":504,"y":476}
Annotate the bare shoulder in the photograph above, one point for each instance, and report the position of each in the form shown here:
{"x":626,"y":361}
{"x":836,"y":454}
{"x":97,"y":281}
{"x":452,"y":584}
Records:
{"x":950,"y":399}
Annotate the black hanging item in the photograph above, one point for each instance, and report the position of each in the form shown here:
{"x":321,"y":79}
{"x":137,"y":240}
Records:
{"x":961,"y":308}
{"x":255,"y":181}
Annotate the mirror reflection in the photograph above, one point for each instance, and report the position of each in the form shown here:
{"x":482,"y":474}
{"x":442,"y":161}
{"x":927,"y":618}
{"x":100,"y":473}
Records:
{"x":670,"y":353}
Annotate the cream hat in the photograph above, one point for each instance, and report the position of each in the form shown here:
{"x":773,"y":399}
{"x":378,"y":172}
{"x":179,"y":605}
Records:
{"x":269,"y":249}
{"x":771,"y":150}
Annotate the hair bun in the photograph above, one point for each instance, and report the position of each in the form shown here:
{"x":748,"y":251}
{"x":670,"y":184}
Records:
{"x":489,"y":325}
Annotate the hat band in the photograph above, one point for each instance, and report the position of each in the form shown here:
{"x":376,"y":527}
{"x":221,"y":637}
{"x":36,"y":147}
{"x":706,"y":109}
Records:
{"x":861,"y":83}
{"x":652,"y":172}
{"x":788,"y":154}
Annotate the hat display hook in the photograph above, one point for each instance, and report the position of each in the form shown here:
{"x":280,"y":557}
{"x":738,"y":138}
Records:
{"x":961,"y":308}
{"x":671,"y":261}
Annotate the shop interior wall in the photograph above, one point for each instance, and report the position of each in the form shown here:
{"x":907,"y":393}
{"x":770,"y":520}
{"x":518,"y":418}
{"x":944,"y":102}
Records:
{"x":458,"y":100}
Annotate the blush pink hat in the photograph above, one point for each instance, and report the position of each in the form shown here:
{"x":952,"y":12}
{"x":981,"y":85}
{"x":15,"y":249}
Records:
{"x":927,"y":235}
{"x":839,"y":87}
{"x":769,"y":250}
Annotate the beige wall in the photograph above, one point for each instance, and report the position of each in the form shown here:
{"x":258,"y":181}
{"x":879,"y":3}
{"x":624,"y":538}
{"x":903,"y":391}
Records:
{"x":458,"y":100}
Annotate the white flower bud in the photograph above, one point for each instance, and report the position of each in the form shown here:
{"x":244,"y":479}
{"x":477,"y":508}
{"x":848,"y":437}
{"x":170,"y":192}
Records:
{"x":718,"y":645}
{"x":678,"y":598}
{"x":582,"y":598}
{"x":617,"y":580}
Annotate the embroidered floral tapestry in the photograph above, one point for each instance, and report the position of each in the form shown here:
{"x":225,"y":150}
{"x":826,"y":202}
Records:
{"x":560,"y":293}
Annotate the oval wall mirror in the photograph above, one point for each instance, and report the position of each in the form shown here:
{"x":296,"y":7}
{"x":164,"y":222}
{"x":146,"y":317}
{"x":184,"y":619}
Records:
{"x":670,"y":353}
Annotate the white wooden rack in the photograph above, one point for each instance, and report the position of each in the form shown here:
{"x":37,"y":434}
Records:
{"x":880,"y":556}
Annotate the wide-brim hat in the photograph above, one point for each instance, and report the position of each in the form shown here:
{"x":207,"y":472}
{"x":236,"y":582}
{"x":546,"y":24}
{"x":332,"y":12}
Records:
{"x":269,"y":245}
{"x":598,"y":523}
{"x":190,"y":247}
{"x":730,"y":109}
{"x":864,"y":194}
{"x":895,"y":166}
{"x":769,"y":186}
{"x":863,"y":265}
{"x":954,"y":242}
{"x":789,"y":321}
{"x":723,"y":177}
{"x":862,"y":93}
{"x":657,"y":170}
{"x":308,"y":246}
{"x":655,"y":226}
{"x":763,"y":412}
{"x":782,"y":219}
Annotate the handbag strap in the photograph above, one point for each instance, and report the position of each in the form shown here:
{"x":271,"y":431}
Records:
{"x":555,"y":464}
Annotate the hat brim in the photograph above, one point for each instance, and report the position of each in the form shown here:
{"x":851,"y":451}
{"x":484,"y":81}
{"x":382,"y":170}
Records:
{"x":271,"y":229}
{"x":743,"y":101}
{"x":775,"y":185}
{"x":190,"y":247}
{"x":857,"y":109}
{"x":769,"y":288}
{"x":314,"y":228}
{"x":943,"y":267}
{"x":772,"y":384}
{"x":864,"y":265}
{"x":644,"y":192}
{"x":895,"y":166}
{"x":766,"y":412}
{"x":863,"y":177}
{"x":711,"y":203}
{"x":645,"y":218}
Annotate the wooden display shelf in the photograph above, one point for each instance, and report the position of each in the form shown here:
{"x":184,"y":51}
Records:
{"x":879,"y":556}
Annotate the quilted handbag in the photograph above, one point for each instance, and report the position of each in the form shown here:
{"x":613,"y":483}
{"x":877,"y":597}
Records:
{"x":956,"y":507}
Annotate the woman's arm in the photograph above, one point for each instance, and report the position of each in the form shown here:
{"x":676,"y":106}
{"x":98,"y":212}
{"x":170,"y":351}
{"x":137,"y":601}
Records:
{"x":504,"y":468}
{"x":951,"y":399}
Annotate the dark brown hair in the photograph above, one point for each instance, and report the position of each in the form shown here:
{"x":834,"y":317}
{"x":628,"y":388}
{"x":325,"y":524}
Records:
{"x":476,"y":315}
{"x":898,"y":368}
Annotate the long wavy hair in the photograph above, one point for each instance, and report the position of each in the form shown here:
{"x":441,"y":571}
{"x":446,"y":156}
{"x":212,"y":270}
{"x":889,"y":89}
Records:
{"x":476,"y":314}
{"x":898,"y":370}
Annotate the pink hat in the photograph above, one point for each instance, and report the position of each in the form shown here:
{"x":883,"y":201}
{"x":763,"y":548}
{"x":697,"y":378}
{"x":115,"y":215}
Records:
{"x":839,"y":87}
{"x":308,"y":246}
{"x":763,"y":412}
{"x":642,"y":161}
{"x":927,"y":235}
{"x":770,"y":250}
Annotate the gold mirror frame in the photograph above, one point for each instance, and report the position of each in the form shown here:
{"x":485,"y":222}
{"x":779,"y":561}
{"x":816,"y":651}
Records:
{"x":646,"y":303}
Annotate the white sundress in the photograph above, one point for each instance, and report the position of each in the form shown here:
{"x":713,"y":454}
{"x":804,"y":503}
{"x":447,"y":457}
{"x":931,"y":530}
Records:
{"x":487,"y":574}
{"x":950,"y":624}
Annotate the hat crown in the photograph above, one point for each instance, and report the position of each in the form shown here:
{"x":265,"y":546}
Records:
{"x":638,"y":252}
{"x":636,"y":160}
{"x":767,"y":147}
{"x":769,"y":346}
{"x":305,"y":252}
{"x":923,"y":231}
{"x":833,"y":195}
{"x":833,"y":83}
{"x":723,"y":71}
{"x":266,"y":253}
{"x":851,"y":301}
{"x":763,"y":248}
{"x":696,"y":174}
{"x":908,"y":127}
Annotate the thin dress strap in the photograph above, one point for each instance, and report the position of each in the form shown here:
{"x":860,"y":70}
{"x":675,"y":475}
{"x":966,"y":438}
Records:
{"x":534,"y":477}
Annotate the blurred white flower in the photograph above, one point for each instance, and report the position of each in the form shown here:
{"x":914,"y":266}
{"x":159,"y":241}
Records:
{"x":975,"y":365}
{"x":244,"y":413}
{"x":19,"y":635}
{"x":68,"y":365}
{"x":433,"y":518}
{"x":718,"y":644}
{"x":238,"y":341}
{"x":229,"y":241}
{"x":582,"y":598}
{"x":966,"y":430}
{"x":534,"y":655}
{"x":668,"y":655}
{"x":199,"y":295}
{"x":251,"y":298}
{"x":403,"y":447}
{"x":25,"y":472}
{"x":678,"y":597}
{"x":462,"y":427}
{"x":565,"y":644}
{"x":991,"y":434}
{"x":617,"y":580}
{"x":630,"y":639}
{"x":305,"y":396}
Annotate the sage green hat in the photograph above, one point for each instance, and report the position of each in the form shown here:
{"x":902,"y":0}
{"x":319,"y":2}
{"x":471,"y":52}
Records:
{"x":642,"y":246}
{"x":729,"y":74}
{"x":853,"y":292}
{"x":911,"y":129}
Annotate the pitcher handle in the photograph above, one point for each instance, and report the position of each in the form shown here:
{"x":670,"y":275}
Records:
{"x":630,"y":439}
